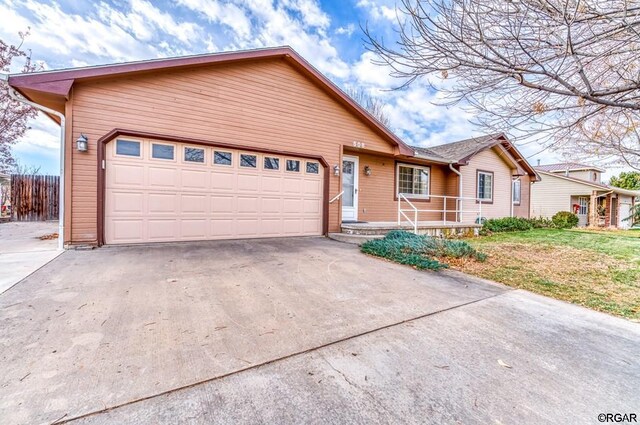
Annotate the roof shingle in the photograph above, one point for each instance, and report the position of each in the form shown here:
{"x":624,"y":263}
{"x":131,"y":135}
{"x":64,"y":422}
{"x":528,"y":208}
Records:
{"x":458,"y":151}
{"x":567,"y":166}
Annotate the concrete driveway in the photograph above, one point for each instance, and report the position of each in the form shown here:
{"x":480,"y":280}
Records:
{"x":298,"y":330}
{"x":22,"y":251}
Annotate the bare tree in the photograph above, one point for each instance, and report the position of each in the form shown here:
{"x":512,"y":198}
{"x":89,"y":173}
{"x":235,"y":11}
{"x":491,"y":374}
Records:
{"x":373,"y":105}
{"x":565,"y":73}
{"x":13,"y":115}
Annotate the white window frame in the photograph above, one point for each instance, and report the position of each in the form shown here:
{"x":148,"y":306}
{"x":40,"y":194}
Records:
{"x":213,"y":157}
{"x":272,"y":170}
{"x":140,"y":145}
{"x":486,"y":173}
{"x":184,"y":155}
{"x":581,"y":205}
{"x":174,"y":159}
{"x":246,"y":167}
{"x":418,"y":167}
{"x":312,"y":162}
{"x":519,"y":192}
{"x":286,"y":164}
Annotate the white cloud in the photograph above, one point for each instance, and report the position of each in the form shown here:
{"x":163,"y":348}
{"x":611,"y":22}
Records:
{"x":312,"y":15}
{"x":71,"y":35}
{"x":346,"y":30}
{"x":228,"y":14}
{"x":370,"y":74}
{"x":43,"y":138}
{"x":379,"y":9}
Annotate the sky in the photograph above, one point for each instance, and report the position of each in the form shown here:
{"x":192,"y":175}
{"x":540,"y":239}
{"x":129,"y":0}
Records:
{"x":327,"y":33}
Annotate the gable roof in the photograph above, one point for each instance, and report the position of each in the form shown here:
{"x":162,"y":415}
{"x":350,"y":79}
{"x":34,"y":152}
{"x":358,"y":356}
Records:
{"x":567,"y":166}
{"x":462,"y":151}
{"x":599,"y":186}
{"x":58,"y":84}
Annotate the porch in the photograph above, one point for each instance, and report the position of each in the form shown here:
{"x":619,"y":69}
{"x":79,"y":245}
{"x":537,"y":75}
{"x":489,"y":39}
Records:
{"x":459,"y":217}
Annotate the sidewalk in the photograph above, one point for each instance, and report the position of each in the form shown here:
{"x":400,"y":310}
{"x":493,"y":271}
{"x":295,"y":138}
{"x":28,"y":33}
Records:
{"x":22,"y":252}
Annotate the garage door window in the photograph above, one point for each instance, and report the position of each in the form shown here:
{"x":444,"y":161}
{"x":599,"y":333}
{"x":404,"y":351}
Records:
{"x":271,"y":163}
{"x":222,"y":158}
{"x":312,"y":167}
{"x":161,"y":151}
{"x":194,"y":155}
{"x":293,"y":165}
{"x":127,"y":148}
{"x":250,"y":161}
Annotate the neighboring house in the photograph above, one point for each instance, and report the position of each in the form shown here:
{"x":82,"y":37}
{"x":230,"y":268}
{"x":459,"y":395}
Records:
{"x":578,"y":188}
{"x":252,"y":144}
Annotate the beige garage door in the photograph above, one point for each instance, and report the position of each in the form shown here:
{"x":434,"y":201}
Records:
{"x":159,"y":192}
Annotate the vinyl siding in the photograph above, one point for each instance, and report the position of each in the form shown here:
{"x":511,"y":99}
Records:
{"x":488,"y":160}
{"x":553,"y":194}
{"x":262,"y":104}
{"x":585,"y":175}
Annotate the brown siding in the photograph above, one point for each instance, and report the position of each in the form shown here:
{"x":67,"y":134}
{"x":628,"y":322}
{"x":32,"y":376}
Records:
{"x":261,"y":104}
{"x":377,"y":200}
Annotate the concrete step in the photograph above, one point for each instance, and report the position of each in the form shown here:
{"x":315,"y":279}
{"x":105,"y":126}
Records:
{"x":353,"y":239}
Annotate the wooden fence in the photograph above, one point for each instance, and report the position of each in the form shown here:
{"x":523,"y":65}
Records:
{"x":34,"y":198}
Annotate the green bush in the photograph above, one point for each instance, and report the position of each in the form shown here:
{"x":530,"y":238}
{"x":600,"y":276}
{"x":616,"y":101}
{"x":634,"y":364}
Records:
{"x":564,"y":220}
{"x":507,"y":224}
{"x":419,"y":251}
{"x":541,"y":222}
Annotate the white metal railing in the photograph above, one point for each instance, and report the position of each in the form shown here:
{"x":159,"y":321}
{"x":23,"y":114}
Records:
{"x":459,"y":211}
{"x":335,"y":198}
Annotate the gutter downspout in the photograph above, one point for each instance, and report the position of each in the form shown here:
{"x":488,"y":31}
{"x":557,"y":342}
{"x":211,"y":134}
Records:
{"x":14,"y":95}
{"x":459,"y":203}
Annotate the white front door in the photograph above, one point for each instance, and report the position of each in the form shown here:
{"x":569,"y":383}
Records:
{"x":583,"y":211}
{"x":350,"y":188}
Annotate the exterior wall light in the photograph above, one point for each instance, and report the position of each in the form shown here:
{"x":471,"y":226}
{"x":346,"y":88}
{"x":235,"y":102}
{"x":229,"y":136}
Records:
{"x":82,"y":143}
{"x":336,"y":170}
{"x":367,"y":170}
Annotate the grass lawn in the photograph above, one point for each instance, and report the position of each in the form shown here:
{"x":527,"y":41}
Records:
{"x":596,"y":269}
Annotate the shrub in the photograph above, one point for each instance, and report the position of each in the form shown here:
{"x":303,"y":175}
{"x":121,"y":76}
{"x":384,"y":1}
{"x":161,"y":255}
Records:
{"x":507,"y":224}
{"x":564,"y":220}
{"x":541,"y":222}
{"x":419,"y":251}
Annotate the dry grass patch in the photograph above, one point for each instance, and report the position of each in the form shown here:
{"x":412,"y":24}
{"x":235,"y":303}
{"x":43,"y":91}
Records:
{"x":580,"y":276}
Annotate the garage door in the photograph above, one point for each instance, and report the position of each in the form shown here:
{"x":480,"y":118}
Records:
{"x":159,"y":192}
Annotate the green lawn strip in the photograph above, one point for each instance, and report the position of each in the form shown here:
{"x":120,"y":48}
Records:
{"x":615,"y":290}
{"x":617,"y":246}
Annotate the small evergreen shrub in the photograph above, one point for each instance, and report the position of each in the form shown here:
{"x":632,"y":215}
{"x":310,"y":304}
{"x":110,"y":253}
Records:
{"x":507,"y":224}
{"x":564,"y":220}
{"x":419,"y":251}
{"x":541,"y":222}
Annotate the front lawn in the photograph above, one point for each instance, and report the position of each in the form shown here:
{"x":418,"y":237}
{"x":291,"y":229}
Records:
{"x":599,"y":270}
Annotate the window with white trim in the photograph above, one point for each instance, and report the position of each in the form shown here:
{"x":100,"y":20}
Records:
{"x":159,"y":151}
{"x":127,"y":148}
{"x":222,"y":158}
{"x":193,"y":154}
{"x":248,"y":161}
{"x":485,"y":186}
{"x":293,"y":165}
{"x":516,"y":190}
{"x":413,"y":180}
{"x":583,"y":205}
